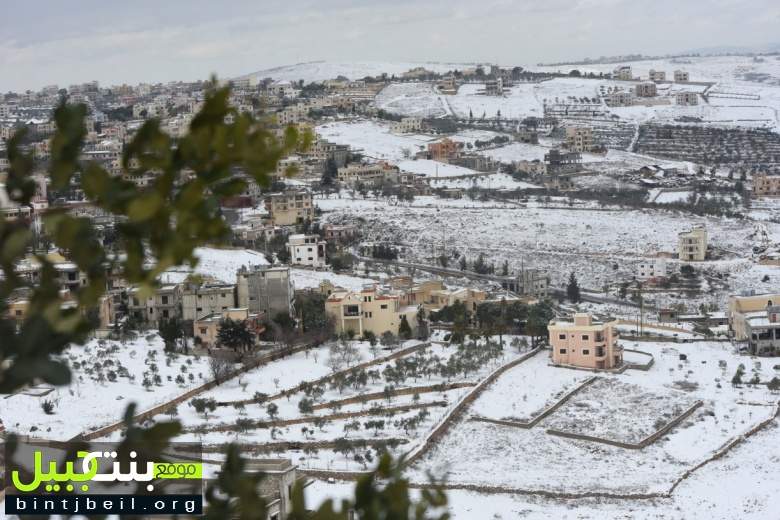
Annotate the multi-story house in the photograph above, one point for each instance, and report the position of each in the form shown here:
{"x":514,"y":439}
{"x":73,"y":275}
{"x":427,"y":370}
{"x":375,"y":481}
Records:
{"x":692,"y":245}
{"x":756,"y":320}
{"x":408,"y":125}
{"x":528,"y":283}
{"x":368,"y":174}
{"x":494,"y":86}
{"x":336,"y":233}
{"x":654,"y":269}
{"x":765,"y":185}
{"x":307,"y":250}
{"x":444,"y":150}
{"x":622,"y":72}
{"x":579,"y":139}
{"x":585,"y":343}
{"x":290,"y":207}
{"x":621,"y":98}
{"x":680,"y":76}
{"x":206,"y":328}
{"x":199,"y":299}
{"x":657,"y":75}
{"x":265,"y":289}
{"x":371,"y":309}
{"x":646,"y":89}
{"x":164,"y":304}
{"x":687,"y":98}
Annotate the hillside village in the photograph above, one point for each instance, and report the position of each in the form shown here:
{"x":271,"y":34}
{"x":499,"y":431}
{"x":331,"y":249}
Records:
{"x":550,"y":286}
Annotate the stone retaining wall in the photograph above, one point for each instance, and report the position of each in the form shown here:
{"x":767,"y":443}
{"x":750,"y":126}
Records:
{"x":546,"y":412}
{"x":650,"y":439}
{"x":396,"y":392}
{"x":331,"y":417}
{"x":294,"y":390}
{"x":441,"y":429}
{"x":164,"y":407}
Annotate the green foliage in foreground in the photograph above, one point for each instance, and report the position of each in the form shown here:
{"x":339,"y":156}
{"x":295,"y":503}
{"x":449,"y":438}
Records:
{"x":163,"y":223}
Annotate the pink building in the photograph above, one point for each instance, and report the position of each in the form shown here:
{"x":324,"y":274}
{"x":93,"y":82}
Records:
{"x":585,"y":343}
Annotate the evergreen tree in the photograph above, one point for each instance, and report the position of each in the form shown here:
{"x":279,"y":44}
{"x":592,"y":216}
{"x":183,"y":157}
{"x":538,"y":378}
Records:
{"x":505,"y":268}
{"x":462,"y":263}
{"x":331,"y":172}
{"x":573,"y":289}
{"x":235,"y":334}
{"x":404,"y":330}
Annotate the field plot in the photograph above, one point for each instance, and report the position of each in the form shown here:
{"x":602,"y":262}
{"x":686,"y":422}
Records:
{"x":374,"y":139}
{"x":335,"y":407}
{"x":525,"y":391}
{"x":562,"y":240}
{"x":479,"y":454}
{"x":107,"y":376}
{"x":618,"y":411}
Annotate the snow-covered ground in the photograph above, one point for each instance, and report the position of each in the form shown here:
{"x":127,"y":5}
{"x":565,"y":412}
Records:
{"x":221,"y":264}
{"x":588,"y":241}
{"x":107,"y":376}
{"x":484,"y":454}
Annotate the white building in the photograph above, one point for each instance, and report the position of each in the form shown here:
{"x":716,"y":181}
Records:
{"x":680,"y":76}
{"x":622,"y":72}
{"x":657,"y":75}
{"x":651,"y":268}
{"x":306,"y":250}
{"x":687,"y":98}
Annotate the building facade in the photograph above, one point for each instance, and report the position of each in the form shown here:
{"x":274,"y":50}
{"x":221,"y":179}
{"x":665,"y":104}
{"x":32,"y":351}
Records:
{"x":692,"y":245}
{"x":680,"y":76}
{"x":579,"y":139}
{"x":290,"y":207}
{"x":369,"y":310}
{"x":756,"y":321}
{"x":585,"y":343}
{"x":306,"y":250}
{"x":265,"y":289}
{"x":766,"y":185}
{"x":646,"y":89}
{"x":687,"y":98}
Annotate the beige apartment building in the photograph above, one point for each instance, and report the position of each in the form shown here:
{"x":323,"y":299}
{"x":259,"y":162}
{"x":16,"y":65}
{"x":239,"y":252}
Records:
{"x":433,"y":295}
{"x":579,"y":139}
{"x":290,"y":207}
{"x":687,"y":98}
{"x":585,"y":343}
{"x":163,"y":304}
{"x":622,"y":72}
{"x":408,"y":125}
{"x":756,"y":320}
{"x":680,"y":76}
{"x":766,"y":185}
{"x":369,"y":174}
{"x":657,"y":75}
{"x":646,"y":89}
{"x":371,"y":309}
{"x":692,"y":245}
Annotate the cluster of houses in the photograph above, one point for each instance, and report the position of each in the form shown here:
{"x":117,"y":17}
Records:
{"x":644,"y":92}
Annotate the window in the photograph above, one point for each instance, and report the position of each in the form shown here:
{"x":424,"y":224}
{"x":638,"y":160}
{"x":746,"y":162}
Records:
{"x":203,"y":330}
{"x":165,"y":300}
{"x":563,"y":351}
{"x":585,"y":352}
{"x":561,"y":336}
{"x":383,"y":306}
{"x":585,"y":337}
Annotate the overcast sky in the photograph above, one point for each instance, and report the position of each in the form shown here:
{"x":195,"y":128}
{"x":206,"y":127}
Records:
{"x":63,"y":42}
